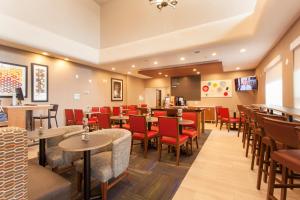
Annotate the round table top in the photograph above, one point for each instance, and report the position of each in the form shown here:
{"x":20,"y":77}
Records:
{"x":90,"y":113}
{"x":119,"y":117}
{"x":76,"y":144}
{"x":185,"y":122}
{"x":152,"y":119}
{"x":46,"y":133}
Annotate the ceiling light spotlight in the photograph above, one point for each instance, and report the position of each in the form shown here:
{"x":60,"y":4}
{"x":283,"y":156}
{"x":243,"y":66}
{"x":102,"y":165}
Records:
{"x":45,"y":53}
{"x":113,"y":68}
{"x":159,"y":73}
{"x":198,"y":73}
{"x":182,"y":58}
{"x":194,"y":70}
{"x":214,"y":54}
{"x":155,"y":62}
{"x":132,"y":66}
{"x":76,"y":76}
{"x":243,"y":50}
{"x":128,"y":72}
{"x":90,"y":81}
{"x":238,"y":68}
{"x":166,"y":75}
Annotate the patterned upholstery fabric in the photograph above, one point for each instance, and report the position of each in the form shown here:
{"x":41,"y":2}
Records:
{"x":110,"y":164}
{"x":13,"y":163}
{"x":56,"y":157}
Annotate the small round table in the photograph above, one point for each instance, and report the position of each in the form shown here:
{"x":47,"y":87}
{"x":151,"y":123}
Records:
{"x":184,"y":122}
{"x":76,"y":144}
{"x":120,"y":119}
{"x":48,"y":133}
{"x":88,"y":114}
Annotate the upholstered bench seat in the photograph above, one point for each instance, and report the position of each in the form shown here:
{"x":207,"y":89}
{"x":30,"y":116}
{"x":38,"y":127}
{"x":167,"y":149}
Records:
{"x":43,"y":184}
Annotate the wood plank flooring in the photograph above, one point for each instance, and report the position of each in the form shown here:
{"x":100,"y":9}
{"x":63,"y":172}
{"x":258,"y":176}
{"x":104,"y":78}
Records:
{"x":221,"y":171}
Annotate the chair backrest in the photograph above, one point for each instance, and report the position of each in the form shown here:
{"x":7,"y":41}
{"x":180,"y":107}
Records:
{"x":69,"y":115}
{"x":224,"y":112}
{"x":143,"y":105}
{"x":191,"y":116}
{"x":218,"y":110}
{"x":124,"y":106}
{"x":104,"y":120}
{"x":138,"y":124}
{"x":54,"y":109}
{"x":105,"y":110}
{"x":116,"y":111}
{"x":95,"y":109}
{"x":168,"y":126}
{"x":78,"y":115}
{"x":132,"y":107}
{"x":283,"y":132}
{"x":159,"y":113}
{"x":132,"y":112}
{"x":260,"y":118}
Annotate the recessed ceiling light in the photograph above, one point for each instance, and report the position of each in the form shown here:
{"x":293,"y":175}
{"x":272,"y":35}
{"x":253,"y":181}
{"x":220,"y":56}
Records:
{"x":90,"y":81}
{"x":194,"y":70}
{"x":113,"y":68}
{"x":166,"y":75}
{"x":214,"y":54}
{"x":133,"y":66}
{"x":76,"y":76}
{"x":198,"y":73}
{"x":182,"y":58}
{"x":155,"y":62}
{"x":45,"y":53}
{"x":66,"y":59}
{"x":159,"y":73}
{"x":128,"y":72}
{"x":243,"y":50}
{"x":237,"y":68}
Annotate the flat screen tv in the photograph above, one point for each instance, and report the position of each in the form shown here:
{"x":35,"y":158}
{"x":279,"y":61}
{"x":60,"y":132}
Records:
{"x":246,"y":84}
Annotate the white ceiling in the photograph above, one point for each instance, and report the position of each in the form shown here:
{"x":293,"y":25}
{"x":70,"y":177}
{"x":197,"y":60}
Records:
{"x":220,"y":26}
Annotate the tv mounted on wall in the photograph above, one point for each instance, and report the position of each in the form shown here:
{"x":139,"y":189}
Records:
{"x":246,"y":84}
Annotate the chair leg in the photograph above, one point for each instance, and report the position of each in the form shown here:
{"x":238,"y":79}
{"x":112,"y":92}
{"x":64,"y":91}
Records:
{"x":177,"y":154}
{"x":145,"y":148}
{"x":221,"y":125}
{"x":248,"y":143}
{"x":217,"y":122}
{"x":253,"y":151}
{"x":261,"y":165}
{"x":271,"y":183}
{"x":79,"y":181}
{"x":197,"y":144}
{"x":228,"y":126}
{"x":267,"y":163}
{"x":191,"y":140}
{"x":104,"y":188}
{"x":131,"y":146}
{"x":283,"y":181}
{"x":159,"y":150}
{"x":56,"y":122}
{"x":239,"y":129}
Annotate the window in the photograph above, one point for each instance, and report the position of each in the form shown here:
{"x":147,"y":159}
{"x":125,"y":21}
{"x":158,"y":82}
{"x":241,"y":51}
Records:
{"x":297,"y":78}
{"x":274,"y":84}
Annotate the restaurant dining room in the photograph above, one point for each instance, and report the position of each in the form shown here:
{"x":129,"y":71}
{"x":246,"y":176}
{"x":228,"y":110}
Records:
{"x":149,"y":99}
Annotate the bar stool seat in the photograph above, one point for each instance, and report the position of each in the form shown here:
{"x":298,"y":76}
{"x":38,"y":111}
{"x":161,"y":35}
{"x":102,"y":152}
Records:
{"x":290,"y":158}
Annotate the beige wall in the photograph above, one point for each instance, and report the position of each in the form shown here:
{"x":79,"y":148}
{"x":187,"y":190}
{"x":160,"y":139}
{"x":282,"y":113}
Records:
{"x":63,"y":84}
{"x":282,"y":48}
{"x":237,"y":98}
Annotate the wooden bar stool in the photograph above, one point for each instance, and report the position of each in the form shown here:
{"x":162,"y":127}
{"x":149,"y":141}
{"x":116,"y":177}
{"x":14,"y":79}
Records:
{"x":288,"y":158}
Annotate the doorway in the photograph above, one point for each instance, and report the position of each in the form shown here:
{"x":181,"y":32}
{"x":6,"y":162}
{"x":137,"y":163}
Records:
{"x":158,"y":98}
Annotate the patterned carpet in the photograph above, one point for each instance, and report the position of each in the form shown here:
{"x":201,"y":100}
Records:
{"x":148,"y":178}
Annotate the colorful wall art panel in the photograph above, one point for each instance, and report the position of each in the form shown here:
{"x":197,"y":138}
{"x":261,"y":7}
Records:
{"x":216,"y":88}
{"x":12,"y":76}
{"x":39,"y":81}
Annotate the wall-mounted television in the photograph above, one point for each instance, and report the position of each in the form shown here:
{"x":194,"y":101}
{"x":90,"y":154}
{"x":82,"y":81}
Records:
{"x":246,"y":84}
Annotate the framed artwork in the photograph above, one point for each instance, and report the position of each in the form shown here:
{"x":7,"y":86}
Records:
{"x":12,"y":76}
{"x":216,"y":88}
{"x":39,"y":83}
{"x":116,"y":89}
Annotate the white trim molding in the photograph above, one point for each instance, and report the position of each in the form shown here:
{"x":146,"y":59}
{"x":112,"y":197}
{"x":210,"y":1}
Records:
{"x":295,"y":43}
{"x":273,"y":62}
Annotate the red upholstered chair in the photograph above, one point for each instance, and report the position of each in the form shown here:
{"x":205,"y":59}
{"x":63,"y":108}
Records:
{"x":116,"y":111}
{"x":124,"y":106}
{"x":104,"y":121}
{"x":225,"y":118}
{"x":132,"y":112}
{"x":132,"y":107}
{"x":138,"y":128}
{"x":191,"y":130}
{"x":105,"y":110}
{"x":79,"y":118}
{"x":158,"y":113}
{"x":95,"y":109}
{"x":218,"y":116}
{"x":143,"y":105}
{"x":169,"y":135}
{"x":69,"y":115}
